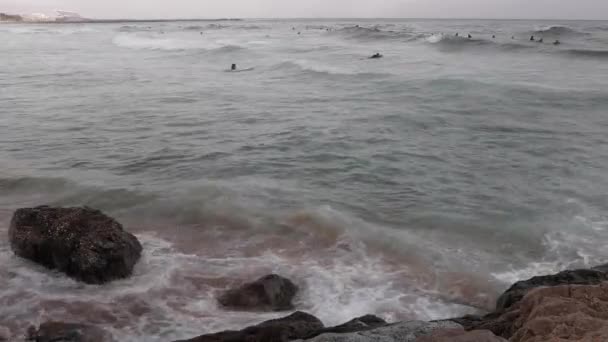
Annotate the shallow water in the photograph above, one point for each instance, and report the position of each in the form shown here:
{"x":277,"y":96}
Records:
{"x":416,"y":186}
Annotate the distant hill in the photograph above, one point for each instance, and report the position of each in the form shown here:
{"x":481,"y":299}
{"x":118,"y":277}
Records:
{"x":10,"y":17}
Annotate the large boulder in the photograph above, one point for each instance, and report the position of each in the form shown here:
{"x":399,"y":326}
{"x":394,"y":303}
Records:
{"x":575,"y":277}
{"x":460,"y":335}
{"x":295,"y":326}
{"x":563,"y":313}
{"x":269,"y":293}
{"x":502,"y":321}
{"x":363,"y":323}
{"x":81,"y":242}
{"x":398,"y":332}
{"x":68,"y":332}
{"x":553,"y":313}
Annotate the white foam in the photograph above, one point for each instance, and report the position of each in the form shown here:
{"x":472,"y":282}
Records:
{"x":435,"y":38}
{"x":156,"y":42}
{"x":578,"y":245}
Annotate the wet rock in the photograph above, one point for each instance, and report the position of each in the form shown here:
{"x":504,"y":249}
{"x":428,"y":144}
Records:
{"x":398,"y":332}
{"x":362,"y":323}
{"x":601,"y":268}
{"x":295,"y":326}
{"x":501,"y":324}
{"x":5,"y":334}
{"x":575,"y":277}
{"x":269,"y":293}
{"x":68,"y":332}
{"x":563,"y":313}
{"x":81,"y":242}
{"x":555,"y":313}
{"x":460,"y":335}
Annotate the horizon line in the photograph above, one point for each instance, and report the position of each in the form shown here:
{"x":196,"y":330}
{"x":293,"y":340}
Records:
{"x":118,"y":20}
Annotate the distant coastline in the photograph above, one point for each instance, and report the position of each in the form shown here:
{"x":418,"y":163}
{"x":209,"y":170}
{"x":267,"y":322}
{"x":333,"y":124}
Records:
{"x":19,"y":19}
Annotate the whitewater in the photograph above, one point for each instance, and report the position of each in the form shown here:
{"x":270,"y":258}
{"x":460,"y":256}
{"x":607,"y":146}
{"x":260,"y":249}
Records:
{"x":415,"y":186}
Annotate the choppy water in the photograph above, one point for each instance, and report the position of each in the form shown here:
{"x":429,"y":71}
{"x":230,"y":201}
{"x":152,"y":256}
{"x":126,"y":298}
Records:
{"x":415,"y":186}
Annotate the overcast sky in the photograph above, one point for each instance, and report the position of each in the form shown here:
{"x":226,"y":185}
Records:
{"x":533,"y":9}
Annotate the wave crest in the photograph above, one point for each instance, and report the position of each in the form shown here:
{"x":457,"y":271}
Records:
{"x":558,"y":30}
{"x":373,"y":33}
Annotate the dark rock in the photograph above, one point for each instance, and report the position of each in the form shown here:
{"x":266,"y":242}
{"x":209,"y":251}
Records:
{"x":295,"y":326}
{"x":68,"y":332}
{"x":362,"y":323}
{"x":271,"y":292}
{"x":81,"y":242}
{"x":601,"y":268}
{"x":459,"y":335}
{"x":5,"y":334}
{"x":402,"y":332}
{"x":499,"y":323}
{"x":576,"y":277}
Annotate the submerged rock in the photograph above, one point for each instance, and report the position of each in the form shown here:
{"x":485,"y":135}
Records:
{"x":269,"y":293}
{"x":293,"y":327}
{"x":68,"y":332}
{"x":398,"y":332}
{"x":81,"y":242}
{"x":575,"y":277}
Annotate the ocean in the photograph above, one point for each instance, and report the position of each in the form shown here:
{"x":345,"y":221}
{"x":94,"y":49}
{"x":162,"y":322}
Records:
{"x":415,"y":186}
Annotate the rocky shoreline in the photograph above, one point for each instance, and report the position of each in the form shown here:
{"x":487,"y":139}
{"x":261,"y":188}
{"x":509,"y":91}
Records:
{"x":93,"y":248}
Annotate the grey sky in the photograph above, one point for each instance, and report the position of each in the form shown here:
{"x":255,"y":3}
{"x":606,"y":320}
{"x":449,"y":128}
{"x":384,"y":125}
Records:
{"x":533,"y":9}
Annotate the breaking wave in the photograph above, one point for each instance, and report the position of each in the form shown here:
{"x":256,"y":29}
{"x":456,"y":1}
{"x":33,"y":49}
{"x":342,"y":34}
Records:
{"x":151,"y":42}
{"x":133,"y":28}
{"x":372,"y":33}
{"x":314,"y":67}
{"x":558,"y":30}
{"x":447,"y":43}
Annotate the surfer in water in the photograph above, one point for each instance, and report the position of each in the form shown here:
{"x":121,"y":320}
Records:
{"x":469,"y":36}
{"x":556,"y":42}
{"x":532,"y":38}
{"x":541,"y":40}
{"x":493,"y":36}
{"x":456,"y":34}
{"x":233,"y":67}
{"x":376,"y":56}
